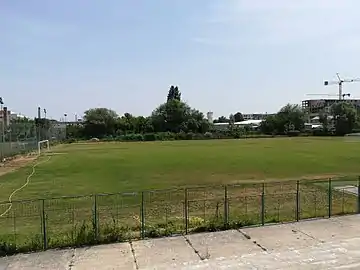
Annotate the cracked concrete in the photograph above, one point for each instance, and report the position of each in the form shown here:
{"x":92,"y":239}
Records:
{"x":318,"y":244}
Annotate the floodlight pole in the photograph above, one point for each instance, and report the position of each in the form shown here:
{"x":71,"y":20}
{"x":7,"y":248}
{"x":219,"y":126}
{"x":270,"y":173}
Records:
{"x":2,"y":129}
{"x":3,"y":122}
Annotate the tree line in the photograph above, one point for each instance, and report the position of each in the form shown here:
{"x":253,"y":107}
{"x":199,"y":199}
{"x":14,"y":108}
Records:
{"x":175,"y":119}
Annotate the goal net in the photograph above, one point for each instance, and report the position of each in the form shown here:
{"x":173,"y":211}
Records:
{"x":43,"y":146}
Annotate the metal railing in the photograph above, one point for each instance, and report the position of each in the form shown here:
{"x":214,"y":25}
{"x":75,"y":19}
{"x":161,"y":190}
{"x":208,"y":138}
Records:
{"x":102,"y":218}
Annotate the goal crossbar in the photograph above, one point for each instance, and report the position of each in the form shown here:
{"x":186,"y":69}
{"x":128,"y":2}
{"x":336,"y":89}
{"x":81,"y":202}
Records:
{"x":46,"y":142}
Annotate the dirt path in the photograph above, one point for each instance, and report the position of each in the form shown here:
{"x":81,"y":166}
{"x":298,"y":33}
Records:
{"x":16,"y":163}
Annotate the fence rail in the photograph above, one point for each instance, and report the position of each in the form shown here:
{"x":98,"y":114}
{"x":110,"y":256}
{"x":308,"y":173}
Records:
{"x":102,"y":218}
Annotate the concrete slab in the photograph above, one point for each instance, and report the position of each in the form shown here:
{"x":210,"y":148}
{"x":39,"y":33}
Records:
{"x":114,"y":256}
{"x":52,"y":259}
{"x":318,"y":244}
{"x":329,"y":229}
{"x":222,"y":244}
{"x":353,"y":190}
{"x":169,"y":252}
{"x":280,"y":237}
{"x":321,"y":256}
{"x":3,"y":263}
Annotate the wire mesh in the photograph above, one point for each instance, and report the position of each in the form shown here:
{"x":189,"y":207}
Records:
{"x":21,"y":225}
{"x":344,"y":195}
{"x":205,"y":207}
{"x":22,"y":136}
{"x":164,"y":212}
{"x":244,"y":204}
{"x":117,"y":216}
{"x":74,"y":221}
{"x":69,"y":221}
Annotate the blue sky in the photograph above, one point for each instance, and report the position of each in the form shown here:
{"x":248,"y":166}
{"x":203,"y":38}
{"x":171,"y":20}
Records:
{"x":225,"y":55}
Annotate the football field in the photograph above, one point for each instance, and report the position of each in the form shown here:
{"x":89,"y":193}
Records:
{"x":81,"y":169}
{"x":161,"y":188}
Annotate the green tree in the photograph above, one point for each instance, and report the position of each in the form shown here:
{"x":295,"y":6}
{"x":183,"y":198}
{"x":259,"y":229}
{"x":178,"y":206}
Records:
{"x":324,"y":119}
{"x":171,"y":116}
{"x":269,"y":125}
{"x":74,"y":131}
{"x":345,"y":117}
{"x":176,"y":116}
{"x":99,"y":122}
{"x":238,"y":117}
{"x":174,"y":94}
{"x":289,"y":119}
{"x":222,"y":119}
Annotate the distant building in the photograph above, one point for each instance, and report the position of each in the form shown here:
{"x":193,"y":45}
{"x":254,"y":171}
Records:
{"x":251,"y":123}
{"x":210,"y":117}
{"x":7,"y":116}
{"x":313,"y":107}
{"x":255,"y":116}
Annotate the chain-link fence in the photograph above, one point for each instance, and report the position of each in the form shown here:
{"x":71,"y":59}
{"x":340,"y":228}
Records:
{"x":103,"y":218}
{"x":22,"y":137}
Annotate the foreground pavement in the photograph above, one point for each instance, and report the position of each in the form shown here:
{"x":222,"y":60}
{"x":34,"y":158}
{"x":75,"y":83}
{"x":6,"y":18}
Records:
{"x":320,"y":244}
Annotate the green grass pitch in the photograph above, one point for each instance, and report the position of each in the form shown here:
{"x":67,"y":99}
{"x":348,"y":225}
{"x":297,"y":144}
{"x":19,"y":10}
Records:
{"x":99,"y":168}
{"x":81,"y":169}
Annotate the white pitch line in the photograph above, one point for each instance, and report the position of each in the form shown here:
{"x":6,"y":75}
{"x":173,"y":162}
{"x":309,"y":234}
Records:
{"x":23,"y":186}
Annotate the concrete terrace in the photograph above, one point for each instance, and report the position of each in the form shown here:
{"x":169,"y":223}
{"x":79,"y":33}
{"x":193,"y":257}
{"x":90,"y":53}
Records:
{"x":319,"y":244}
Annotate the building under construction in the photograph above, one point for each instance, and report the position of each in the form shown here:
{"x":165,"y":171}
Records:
{"x":313,"y":107}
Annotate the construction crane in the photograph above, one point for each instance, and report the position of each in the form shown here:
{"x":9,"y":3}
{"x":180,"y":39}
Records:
{"x":340,"y":83}
{"x":331,"y":95}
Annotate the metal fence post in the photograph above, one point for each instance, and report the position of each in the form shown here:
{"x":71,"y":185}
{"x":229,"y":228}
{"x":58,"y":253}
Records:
{"x":297,"y":200}
{"x":142,"y":215}
{"x":226,"y":207}
{"x":44,"y":225}
{"x":330,"y":197}
{"x":263,"y":205}
{"x":186,"y":211}
{"x":95,"y":218}
{"x":358,"y":194}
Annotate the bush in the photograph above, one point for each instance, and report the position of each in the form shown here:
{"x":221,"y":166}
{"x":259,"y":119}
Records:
{"x":180,"y":136}
{"x":149,"y":137}
{"x":215,"y":134}
{"x":70,"y":140}
{"x":293,"y":133}
{"x":189,"y":136}
{"x":133,"y":137}
{"x":208,"y":135}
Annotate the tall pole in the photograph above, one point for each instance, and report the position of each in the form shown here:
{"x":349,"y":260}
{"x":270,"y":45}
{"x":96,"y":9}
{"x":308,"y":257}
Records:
{"x":3,"y":124}
{"x":2,"y":128}
{"x":340,"y":90}
{"x":65,"y":115}
{"x":38,"y":124}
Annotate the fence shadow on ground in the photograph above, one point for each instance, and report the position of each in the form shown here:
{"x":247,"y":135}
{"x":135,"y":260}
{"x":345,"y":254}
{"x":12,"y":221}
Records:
{"x":104,"y":218}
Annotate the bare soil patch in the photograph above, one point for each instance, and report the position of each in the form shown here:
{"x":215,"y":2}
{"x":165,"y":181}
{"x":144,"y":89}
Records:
{"x":14,"y":163}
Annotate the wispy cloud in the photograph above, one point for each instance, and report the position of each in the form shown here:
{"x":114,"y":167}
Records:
{"x":279,"y":22}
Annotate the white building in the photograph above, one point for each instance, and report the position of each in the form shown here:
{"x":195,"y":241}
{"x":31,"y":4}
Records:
{"x":251,"y":123}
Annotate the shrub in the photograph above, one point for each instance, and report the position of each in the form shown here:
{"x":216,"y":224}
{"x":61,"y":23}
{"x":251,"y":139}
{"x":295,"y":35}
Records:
{"x":293,"y":133}
{"x":189,"y":136}
{"x":149,"y":137}
{"x":208,"y":135}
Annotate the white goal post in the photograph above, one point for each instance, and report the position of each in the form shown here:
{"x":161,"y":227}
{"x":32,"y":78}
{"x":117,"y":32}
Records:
{"x":41,"y":143}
